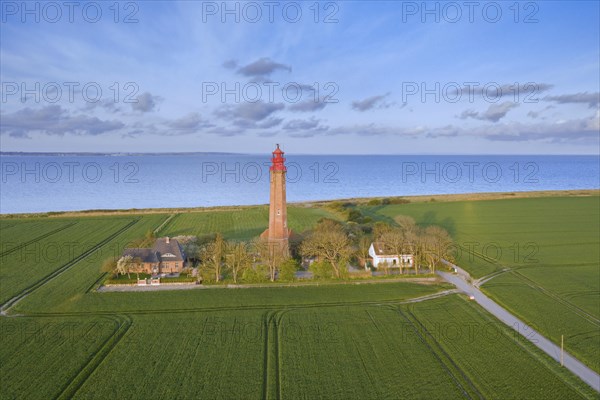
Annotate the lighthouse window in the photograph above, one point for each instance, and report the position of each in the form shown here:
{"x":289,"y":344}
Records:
{"x":278,"y":212}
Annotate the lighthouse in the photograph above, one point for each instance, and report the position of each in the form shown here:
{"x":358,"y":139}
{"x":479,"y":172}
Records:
{"x":278,"y":233}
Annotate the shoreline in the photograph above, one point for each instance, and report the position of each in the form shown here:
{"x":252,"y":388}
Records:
{"x":476,"y":196}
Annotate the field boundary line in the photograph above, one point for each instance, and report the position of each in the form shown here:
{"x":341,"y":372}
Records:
{"x":267,"y":363}
{"x":240,"y":307}
{"x":165,"y":222}
{"x":528,"y":347}
{"x":368,"y":371}
{"x":28,"y":290}
{"x":45,"y":235}
{"x":578,"y":368}
{"x":124,"y":322}
{"x":430,"y":296}
{"x":439,"y":353}
{"x":582,"y":313}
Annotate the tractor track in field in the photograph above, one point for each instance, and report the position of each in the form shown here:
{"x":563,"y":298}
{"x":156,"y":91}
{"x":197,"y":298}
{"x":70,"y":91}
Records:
{"x":69,"y":390}
{"x":272,"y":357}
{"x":575,"y":309}
{"x":531,"y":283}
{"x":578,"y":368}
{"x":38,"y":238}
{"x":165,"y":223}
{"x":268,"y":307}
{"x":421,"y":329}
{"x":27,"y":291}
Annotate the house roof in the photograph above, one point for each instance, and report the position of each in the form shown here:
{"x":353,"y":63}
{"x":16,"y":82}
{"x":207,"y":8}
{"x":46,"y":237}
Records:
{"x":145,"y":255}
{"x":168,"y":249}
{"x":381,"y":250}
{"x":164,"y":249}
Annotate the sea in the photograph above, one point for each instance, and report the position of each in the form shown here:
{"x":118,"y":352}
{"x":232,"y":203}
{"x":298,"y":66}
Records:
{"x":69,"y":182}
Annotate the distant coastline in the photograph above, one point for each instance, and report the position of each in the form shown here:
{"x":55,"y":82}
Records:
{"x":114,"y":154}
{"x":223,"y":153}
{"x":317,"y":203}
{"x":64,"y":181}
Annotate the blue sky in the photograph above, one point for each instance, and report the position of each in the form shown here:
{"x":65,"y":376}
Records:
{"x":162,"y":67}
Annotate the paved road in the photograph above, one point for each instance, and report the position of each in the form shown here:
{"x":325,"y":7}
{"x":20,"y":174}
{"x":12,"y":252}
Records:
{"x":571,"y":363}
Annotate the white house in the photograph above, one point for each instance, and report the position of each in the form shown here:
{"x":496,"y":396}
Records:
{"x":379,"y":254}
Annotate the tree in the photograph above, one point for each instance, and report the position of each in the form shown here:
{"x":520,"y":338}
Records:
{"x":288,"y":268}
{"x":407,"y":224}
{"x":191,"y":247}
{"x":213,"y":255}
{"x":379,"y":229}
{"x":437,"y":245}
{"x":255,"y":274}
{"x":124,"y":265}
{"x":329,"y":242}
{"x":271,"y":255}
{"x":321,"y":270}
{"x":362,"y":250}
{"x":237,"y":259}
{"x":386,"y":267}
{"x":395,"y":243}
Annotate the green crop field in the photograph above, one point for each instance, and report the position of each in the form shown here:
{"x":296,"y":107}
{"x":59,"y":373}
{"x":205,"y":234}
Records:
{"x":551,"y":248}
{"x":243,"y":224}
{"x":63,"y":339}
{"x":22,"y":265}
{"x":474,"y":340}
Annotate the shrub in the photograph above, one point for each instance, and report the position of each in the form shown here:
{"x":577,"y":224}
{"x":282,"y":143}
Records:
{"x":287,"y":270}
{"x":258,"y":274}
{"x":354,"y":215}
{"x":180,"y":278}
{"x":399,"y":200}
{"x":321,"y":270}
{"x":374,"y":202}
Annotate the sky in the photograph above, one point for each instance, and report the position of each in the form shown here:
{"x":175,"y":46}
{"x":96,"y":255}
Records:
{"x":351,"y":77}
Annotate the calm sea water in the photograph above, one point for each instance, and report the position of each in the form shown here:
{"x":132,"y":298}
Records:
{"x":63,"y":183}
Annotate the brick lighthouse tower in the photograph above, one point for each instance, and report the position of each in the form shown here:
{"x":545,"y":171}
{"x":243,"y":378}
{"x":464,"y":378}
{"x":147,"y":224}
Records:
{"x":278,"y":232}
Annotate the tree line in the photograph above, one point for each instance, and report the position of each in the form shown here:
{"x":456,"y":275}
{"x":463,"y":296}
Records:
{"x":328,"y":249}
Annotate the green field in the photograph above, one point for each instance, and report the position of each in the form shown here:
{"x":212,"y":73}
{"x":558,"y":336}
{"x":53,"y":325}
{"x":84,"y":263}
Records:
{"x":65,"y":340}
{"x":243,"y":224}
{"x":551,"y":247}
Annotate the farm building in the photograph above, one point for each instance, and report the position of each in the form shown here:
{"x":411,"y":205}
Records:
{"x":380,"y":254}
{"x":166,"y":256}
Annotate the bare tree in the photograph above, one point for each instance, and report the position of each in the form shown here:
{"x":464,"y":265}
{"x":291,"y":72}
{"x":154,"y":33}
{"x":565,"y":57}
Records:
{"x":437,"y":243}
{"x":362,"y":250}
{"x":328,"y":242}
{"x":380,"y":229}
{"x":395,"y":243}
{"x":237,"y":258}
{"x":386,"y":267}
{"x":271,"y":254}
{"x":213,"y":255}
{"x":124,"y":265}
{"x":406,"y":223}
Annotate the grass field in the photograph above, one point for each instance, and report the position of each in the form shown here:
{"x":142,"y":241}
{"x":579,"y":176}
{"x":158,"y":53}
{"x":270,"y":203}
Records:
{"x":32,"y":257}
{"x":551,"y":247}
{"x":328,"y":341}
{"x":242,"y":224}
